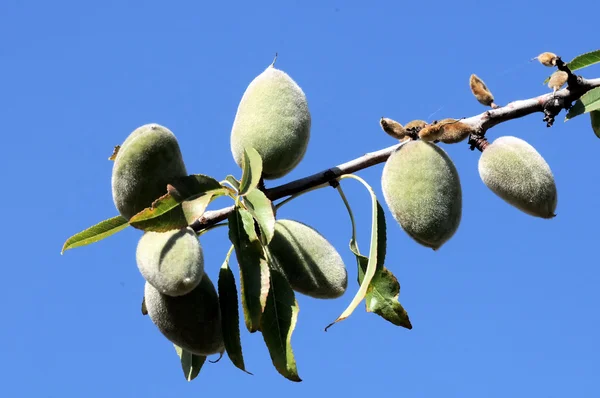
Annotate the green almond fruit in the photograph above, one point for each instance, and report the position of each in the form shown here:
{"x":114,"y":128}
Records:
{"x":274,"y":119}
{"x":518,"y":174}
{"x":172,"y":262}
{"x":192,"y":321}
{"x":312,"y":265}
{"x":148,"y":160}
{"x":422,"y":190}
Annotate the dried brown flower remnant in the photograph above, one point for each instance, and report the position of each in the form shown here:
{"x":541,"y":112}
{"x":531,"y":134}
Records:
{"x":557,"y":80}
{"x":431,"y":132}
{"x":547,"y":59}
{"x":454,"y":131}
{"x":392,"y":128}
{"x":481,"y":92}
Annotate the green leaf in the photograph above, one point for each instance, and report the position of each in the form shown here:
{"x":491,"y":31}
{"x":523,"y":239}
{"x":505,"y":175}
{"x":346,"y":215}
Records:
{"x":376,"y":252}
{"x":230,"y":318}
{"x":195,"y":208}
{"x":251,"y":171}
{"x":254,"y":270}
{"x":588,"y":102}
{"x":190,"y":363}
{"x":278,"y":323}
{"x":261,"y":209}
{"x":233,"y":181}
{"x":248,"y":224}
{"x":595,"y":119}
{"x":96,"y":233}
{"x":584,"y":60}
{"x":581,"y":61}
{"x":384,"y":289}
{"x":165,"y":212}
{"x":382,"y":298}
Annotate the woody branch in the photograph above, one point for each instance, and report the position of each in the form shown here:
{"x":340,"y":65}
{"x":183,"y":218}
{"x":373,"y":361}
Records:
{"x":550,"y":104}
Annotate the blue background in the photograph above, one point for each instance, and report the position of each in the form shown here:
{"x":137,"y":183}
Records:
{"x":508,"y":307}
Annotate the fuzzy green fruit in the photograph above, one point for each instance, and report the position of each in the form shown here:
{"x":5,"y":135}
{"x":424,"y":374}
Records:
{"x":312,"y":265}
{"x":172,"y":262}
{"x":274,"y":119}
{"x":192,"y":321}
{"x":518,"y":174}
{"x":422,"y":190}
{"x":148,"y":160}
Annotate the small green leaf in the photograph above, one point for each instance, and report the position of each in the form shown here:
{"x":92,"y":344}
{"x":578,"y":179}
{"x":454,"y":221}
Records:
{"x":248,"y":223}
{"x":588,"y":102}
{"x":251,"y":171}
{"x":195,"y":208}
{"x":584,"y":60}
{"x":384,"y":289}
{"x":96,"y":233}
{"x":278,"y":323}
{"x":233,"y":181}
{"x":230,"y":318}
{"x":165,"y":212}
{"x":261,"y":209}
{"x":190,"y":363}
{"x":595,"y":119}
{"x":382,"y":299}
{"x":254,"y":270}
{"x":376,"y":252}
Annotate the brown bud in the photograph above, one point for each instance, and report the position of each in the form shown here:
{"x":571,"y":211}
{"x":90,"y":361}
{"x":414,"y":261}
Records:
{"x":392,"y":128}
{"x":454,"y":131}
{"x":431,"y":132}
{"x":415,"y":125}
{"x":547,"y":59}
{"x":558,"y":79}
{"x":481,"y":92}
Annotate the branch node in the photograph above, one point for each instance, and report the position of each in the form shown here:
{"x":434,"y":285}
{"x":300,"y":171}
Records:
{"x":478,"y":141}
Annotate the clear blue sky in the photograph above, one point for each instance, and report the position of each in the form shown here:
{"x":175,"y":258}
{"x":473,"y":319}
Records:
{"x":508,"y":307}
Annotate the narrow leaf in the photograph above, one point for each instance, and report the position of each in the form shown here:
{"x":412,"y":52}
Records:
{"x":278,"y":323}
{"x":254,"y":270}
{"x":376,"y":252}
{"x":190,"y":363}
{"x":584,"y":60}
{"x":165,"y":212}
{"x":588,"y":102}
{"x":261,"y":209}
{"x":233,"y":181}
{"x":96,"y":233}
{"x":251,"y":171}
{"x":230,"y":318}
{"x":248,"y":224}
{"x":384,"y":289}
{"x":195,"y":208}
{"x":595,"y":119}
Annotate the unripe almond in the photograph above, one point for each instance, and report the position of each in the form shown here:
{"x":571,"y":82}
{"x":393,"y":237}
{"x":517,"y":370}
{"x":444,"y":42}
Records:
{"x":312,"y":265}
{"x":172,"y":261}
{"x":273,"y":118}
{"x":422,"y":190}
{"x":518,"y":174}
{"x":191,"y":321}
{"x":148,"y":160}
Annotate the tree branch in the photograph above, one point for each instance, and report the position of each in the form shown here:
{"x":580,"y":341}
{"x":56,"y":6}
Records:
{"x":550,"y":104}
